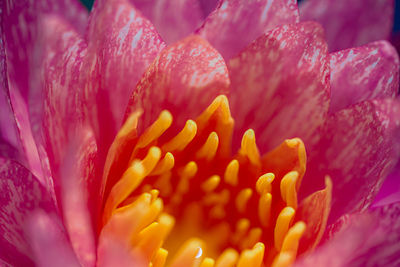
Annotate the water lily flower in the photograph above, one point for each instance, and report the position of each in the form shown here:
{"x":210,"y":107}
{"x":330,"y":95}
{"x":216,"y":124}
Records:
{"x":193,"y":133}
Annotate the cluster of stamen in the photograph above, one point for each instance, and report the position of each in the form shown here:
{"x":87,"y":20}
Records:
{"x":196,"y":205}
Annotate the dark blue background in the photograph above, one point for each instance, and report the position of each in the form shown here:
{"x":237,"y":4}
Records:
{"x":396,"y":28}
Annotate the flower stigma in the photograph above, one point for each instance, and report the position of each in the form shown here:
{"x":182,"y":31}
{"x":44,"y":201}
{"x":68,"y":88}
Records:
{"x":184,"y":200}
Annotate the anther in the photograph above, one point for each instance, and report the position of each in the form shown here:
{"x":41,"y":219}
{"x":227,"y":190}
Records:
{"x":228,"y":258}
{"x":151,"y":159}
{"x":211,"y":183}
{"x":231,"y":173}
{"x":209,"y":149}
{"x":249,"y":147}
{"x":160,"y":258}
{"x":207,"y":262}
{"x":292,"y":238}
{"x":263,"y":184}
{"x":282,"y":226}
{"x":166,"y":164}
{"x":152,"y":133}
{"x":264,"y":209}
{"x":288,"y":189}
{"x":183,"y":138}
{"x":242,"y":198}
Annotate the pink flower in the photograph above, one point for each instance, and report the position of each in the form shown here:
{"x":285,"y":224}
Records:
{"x":149,"y":114}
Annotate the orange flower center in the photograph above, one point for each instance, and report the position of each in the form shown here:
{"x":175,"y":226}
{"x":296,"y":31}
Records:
{"x":185,"y":201}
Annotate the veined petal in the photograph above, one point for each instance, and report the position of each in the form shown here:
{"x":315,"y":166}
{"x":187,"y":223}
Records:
{"x":236,"y":23}
{"x":208,"y":6}
{"x":364,"y":239}
{"x":48,"y":241}
{"x":363,"y":73}
{"x":350,"y":23}
{"x":21,"y":18}
{"x":358,"y":149}
{"x":79,"y":195}
{"x":173,"y":19}
{"x":390,"y":191}
{"x":280,"y":85}
{"x":183,"y":79}
{"x":122,"y":43}
{"x":21,"y":194}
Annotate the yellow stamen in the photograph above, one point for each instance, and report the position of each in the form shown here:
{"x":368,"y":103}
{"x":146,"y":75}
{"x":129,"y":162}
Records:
{"x":207,"y":262}
{"x":209,"y":149}
{"x":249,"y":147}
{"x":183,"y":138}
{"x":252,"y":238}
{"x":292,"y":238}
{"x":283,"y":259}
{"x":228,"y":258}
{"x":242,"y":198}
{"x":163,"y":122}
{"x":211,"y":183}
{"x":252,"y":257}
{"x":264,"y":209}
{"x":189,"y":254}
{"x":282,"y":225}
{"x":166,"y":164}
{"x":151,"y":159}
{"x":263,"y":184}
{"x":231,"y":173}
{"x":288,"y":189}
{"x":160,"y":258}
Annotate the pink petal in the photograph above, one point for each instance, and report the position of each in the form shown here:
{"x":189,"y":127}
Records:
{"x":122,"y":43}
{"x":358,"y":148}
{"x":49,"y":243}
{"x":77,"y":178}
{"x":21,"y":193}
{"x":280,"y":85}
{"x":390,"y":191}
{"x":173,"y":19}
{"x":21,"y":18}
{"x":370,"y":239}
{"x":208,"y":6}
{"x":184,"y":79}
{"x":363,"y":73}
{"x":235,"y":23}
{"x":350,"y":23}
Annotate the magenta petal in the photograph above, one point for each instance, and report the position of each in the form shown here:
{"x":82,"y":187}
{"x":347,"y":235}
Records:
{"x":370,"y":239}
{"x":358,"y":148}
{"x":77,"y":177}
{"x":184,"y":79}
{"x":122,"y":43}
{"x":236,"y":23}
{"x":350,"y":23}
{"x":21,"y":32}
{"x":363,"y":73}
{"x":173,"y":19}
{"x":48,"y":241}
{"x":390,"y":191}
{"x":21,"y":193}
{"x":280,"y":85}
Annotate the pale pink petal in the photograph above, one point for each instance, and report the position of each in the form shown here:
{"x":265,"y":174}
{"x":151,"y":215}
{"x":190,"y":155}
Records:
{"x":21,"y":18}
{"x":370,"y":239}
{"x":21,"y":193}
{"x":280,"y":85}
{"x":350,"y":23}
{"x":122,"y":43}
{"x":77,"y":182}
{"x":358,"y":148}
{"x":49,"y":242}
{"x":173,"y":19}
{"x":184,"y":79}
{"x":363,"y":73}
{"x":236,"y":23}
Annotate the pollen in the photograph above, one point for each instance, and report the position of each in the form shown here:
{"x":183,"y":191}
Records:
{"x":182,"y":198}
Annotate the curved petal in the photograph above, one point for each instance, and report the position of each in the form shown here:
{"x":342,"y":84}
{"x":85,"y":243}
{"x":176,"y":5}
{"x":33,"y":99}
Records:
{"x":21,"y":193}
{"x":122,"y":43}
{"x":236,"y":23}
{"x":208,"y":6}
{"x":184,"y":79}
{"x":350,"y":23}
{"x":358,"y":148}
{"x":173,"y":19}
{"x":280,"y":85}
{"x":370,"y":239}
{"x":363,"y":73}
{"x":390,"y":191}
{"x":48,"y":241}
{"x":79,"y":191}
{"x":21,"y":18}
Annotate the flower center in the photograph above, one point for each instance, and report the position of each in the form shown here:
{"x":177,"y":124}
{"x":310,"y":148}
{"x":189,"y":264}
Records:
{"x":185,"y":201}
